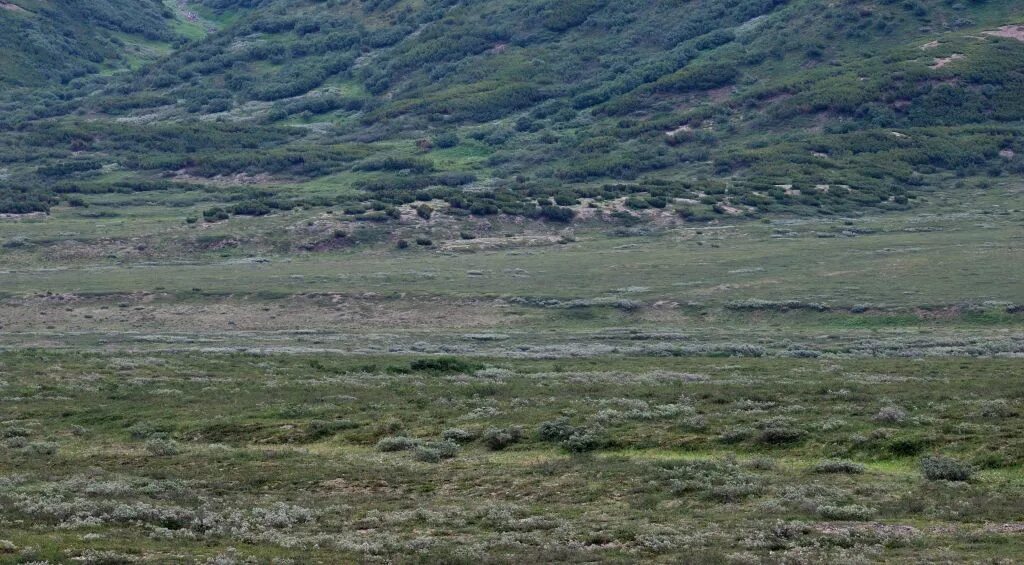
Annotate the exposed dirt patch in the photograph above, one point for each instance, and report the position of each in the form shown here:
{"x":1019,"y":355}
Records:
{"x":930,"y":45}
{"x":943,"y":61}
{"x":228,"y":180}
{"x":482,"y":243}
{"x":720,"y":94}
{"x":22,"y":216}
{"x":12,"y":7}
{"x":681,"y":129}
{"x":1010,"y":31}
{"x":1007,"y":154}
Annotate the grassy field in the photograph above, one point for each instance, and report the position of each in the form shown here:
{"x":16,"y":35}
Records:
{"x":939,"y":280}
{"x":327,"y":458}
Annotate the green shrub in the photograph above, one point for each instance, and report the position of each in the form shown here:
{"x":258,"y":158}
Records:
{"x":15,"y":431}
{"x":396,"y":443}
{"x":497,"y":439}
{"x":840,"y":466}
{"x":458,"y":435}
{"x":444,"y":365}
{"x":735,"y":435}
{"x":318,"y":429}
{"x":906,"y":446}
{"x":582,"y":441}
{"x":16,"y":442}
{"x":215,"y":214}
{"x":942,"y":468}
{"x":436,"y":452}
{"x":47,"y":448}
{"x":446,"y":140}
{"x":851,"y":512}
{"x":780,"y":435}
{"x":555,"y":430}
{"x":162,"y":447}
{"x":891,"y":415}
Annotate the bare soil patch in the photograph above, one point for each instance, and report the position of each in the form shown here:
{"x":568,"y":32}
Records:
{"x":1010,"y":31}
{"x":943,"y":61}
{"x":482,"y":243}
{"x":12,"y":7}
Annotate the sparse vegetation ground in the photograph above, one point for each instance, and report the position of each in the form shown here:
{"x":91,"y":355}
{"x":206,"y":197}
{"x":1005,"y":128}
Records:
{"x":332,"y":458}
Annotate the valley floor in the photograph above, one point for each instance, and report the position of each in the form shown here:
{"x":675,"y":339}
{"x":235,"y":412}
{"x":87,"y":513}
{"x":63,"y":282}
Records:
{"x":328,"y":458}
{"x":801,"y":391}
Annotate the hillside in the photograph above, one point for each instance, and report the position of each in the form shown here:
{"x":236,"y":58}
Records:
{"x":423,"y":116}
{"x":740,"y":108}
{"x":55,"y":41}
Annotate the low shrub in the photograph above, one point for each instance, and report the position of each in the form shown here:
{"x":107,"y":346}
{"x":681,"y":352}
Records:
{"x":891,"y":415}
{"x":42,"y":448}
{"x":497,"y":439}
{"x":735,"y":435}
{"x":15,"y":432}
{"x":555,"y":430}
{"x":582,"y":441}
{"x":942,"y":468}
{"x":910,"y":445}
{"x":17,"y":442}
{"x":396,"y":443}
{"x":998,"y":408}
{"x":780,"y":435}
{"x":436,"y":452}
{"x":162,"y":447}
{"x":317,"y":429}
{"x":848,"y":512}
{"x":839,"y":466}
{"x":762,"y":463}
{"x":144,"y":430}
{"x":458,"y":435}
{"x":444,"y":365}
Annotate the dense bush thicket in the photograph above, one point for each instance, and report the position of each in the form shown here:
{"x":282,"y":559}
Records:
{"x":63,"y":39}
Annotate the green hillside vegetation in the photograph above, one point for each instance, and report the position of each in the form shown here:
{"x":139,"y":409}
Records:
{"x":741,"y":108}
{"x":56,"y":41}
